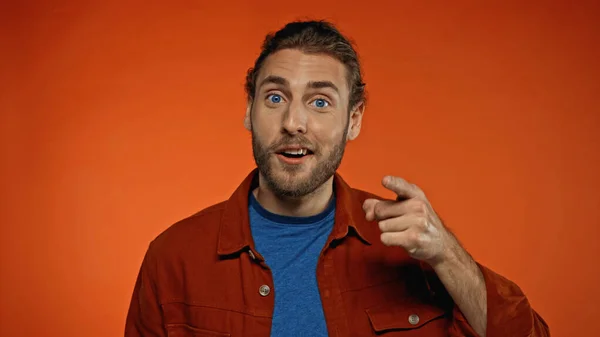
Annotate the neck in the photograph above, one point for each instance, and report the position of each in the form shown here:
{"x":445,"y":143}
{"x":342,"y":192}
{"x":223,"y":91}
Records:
{"x":308,"y":205}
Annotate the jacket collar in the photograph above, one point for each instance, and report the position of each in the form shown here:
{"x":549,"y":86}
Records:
{"x":235,"y":235}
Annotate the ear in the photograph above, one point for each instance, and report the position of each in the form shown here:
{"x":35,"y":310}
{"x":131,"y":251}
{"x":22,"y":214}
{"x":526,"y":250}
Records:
{"x":247,"y":119}
{"x":355,"y":116}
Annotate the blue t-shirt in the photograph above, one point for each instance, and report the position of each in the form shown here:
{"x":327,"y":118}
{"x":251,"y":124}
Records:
{"x":291,"y":247}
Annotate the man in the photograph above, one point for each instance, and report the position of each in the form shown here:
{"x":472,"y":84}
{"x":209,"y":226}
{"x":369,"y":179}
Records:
{"x":295,"y":251}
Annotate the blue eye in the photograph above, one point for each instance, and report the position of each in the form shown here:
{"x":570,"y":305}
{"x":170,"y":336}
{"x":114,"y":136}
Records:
{"x":320,"y":103}
{"x":274,"y":98}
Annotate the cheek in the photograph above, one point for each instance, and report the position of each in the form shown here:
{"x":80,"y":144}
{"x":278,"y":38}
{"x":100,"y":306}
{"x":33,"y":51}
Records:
{"x":264,"y":125}
{"x":328,"y":139}
{"x":328,"y":129}
{"x":266,"y":137}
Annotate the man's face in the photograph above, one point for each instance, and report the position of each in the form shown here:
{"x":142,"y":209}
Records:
{"x":299,"y":121}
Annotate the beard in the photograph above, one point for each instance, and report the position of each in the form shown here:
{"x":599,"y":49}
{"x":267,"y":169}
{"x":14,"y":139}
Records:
{"x":287,"y":182}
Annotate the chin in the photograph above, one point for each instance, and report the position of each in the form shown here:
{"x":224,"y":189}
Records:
{"x":293,"y":171}
{"x":291,"y":175}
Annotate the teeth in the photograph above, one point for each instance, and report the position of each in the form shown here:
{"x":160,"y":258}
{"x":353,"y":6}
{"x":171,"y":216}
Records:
{"x":297,"y":152}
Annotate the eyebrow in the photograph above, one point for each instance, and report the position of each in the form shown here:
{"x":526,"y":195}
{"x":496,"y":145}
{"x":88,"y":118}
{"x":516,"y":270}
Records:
{"x":323,"y":84}
{"x":275,"y":80}
{"x":312,"y":84}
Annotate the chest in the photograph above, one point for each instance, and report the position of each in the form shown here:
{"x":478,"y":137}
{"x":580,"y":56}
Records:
{"x":364,"y":291}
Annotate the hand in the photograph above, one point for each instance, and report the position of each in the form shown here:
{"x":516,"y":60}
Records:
{"x":411,"y":223}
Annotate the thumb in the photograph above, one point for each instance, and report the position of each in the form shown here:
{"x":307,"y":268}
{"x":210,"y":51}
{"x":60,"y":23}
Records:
{"x":369,"y":208}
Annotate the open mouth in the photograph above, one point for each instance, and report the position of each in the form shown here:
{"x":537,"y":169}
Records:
{"x":296,"y":153}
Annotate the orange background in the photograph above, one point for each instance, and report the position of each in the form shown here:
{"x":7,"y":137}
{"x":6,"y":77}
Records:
{"x":118,"y":119}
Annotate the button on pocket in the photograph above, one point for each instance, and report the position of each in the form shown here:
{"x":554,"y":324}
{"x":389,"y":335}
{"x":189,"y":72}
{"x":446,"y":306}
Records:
{"x":413,"y":319}
{"x":264,"y":290}
{"x":405,"y":317}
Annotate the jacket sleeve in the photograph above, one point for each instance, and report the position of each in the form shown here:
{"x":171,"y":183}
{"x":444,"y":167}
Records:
{"x":508,"y":311}
{"x":145,"y":315}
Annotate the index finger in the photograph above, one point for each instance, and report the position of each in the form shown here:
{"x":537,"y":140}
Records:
{"x":403,"y":189}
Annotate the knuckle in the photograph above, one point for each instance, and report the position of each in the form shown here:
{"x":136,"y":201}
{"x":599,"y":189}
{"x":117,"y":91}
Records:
{"x":420,"y":206}
{"x":424,"y":224}
{"x":379,"y":211}
{"x":415,"y":238}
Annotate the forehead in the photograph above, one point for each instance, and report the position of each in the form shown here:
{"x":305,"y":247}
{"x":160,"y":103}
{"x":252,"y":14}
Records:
{"x":300,"y":68}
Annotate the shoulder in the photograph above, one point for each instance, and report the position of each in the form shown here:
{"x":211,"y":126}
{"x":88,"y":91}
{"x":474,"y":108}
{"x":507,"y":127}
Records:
{"x":199,"y":230}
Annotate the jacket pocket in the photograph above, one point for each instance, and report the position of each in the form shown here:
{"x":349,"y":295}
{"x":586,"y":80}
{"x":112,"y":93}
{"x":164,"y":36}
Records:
{"x":184,"y":330}
{"x":387,"y":318}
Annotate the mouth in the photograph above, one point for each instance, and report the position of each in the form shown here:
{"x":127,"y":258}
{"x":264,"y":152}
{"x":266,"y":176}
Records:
{"x":295,"y":153}
{"x":294,"y":156}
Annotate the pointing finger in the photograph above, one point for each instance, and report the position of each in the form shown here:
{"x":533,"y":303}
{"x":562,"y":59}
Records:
{"x":402,"y":188}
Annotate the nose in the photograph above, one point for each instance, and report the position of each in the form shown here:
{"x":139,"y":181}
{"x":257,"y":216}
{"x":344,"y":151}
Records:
{"x":295,"y":119}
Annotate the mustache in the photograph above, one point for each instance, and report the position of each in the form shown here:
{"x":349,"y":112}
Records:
{"x":299,"y":141}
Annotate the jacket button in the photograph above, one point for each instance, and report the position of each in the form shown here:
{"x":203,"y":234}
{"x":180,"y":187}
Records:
{"x":413,"y":319}
{"x":264,"y":290}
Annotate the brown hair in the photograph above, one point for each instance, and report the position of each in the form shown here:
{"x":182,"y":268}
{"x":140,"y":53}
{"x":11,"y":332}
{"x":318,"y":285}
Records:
{"x":312,"y":37}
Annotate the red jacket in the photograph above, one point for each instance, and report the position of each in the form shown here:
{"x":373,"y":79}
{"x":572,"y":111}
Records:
{"x":203,"y":277}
